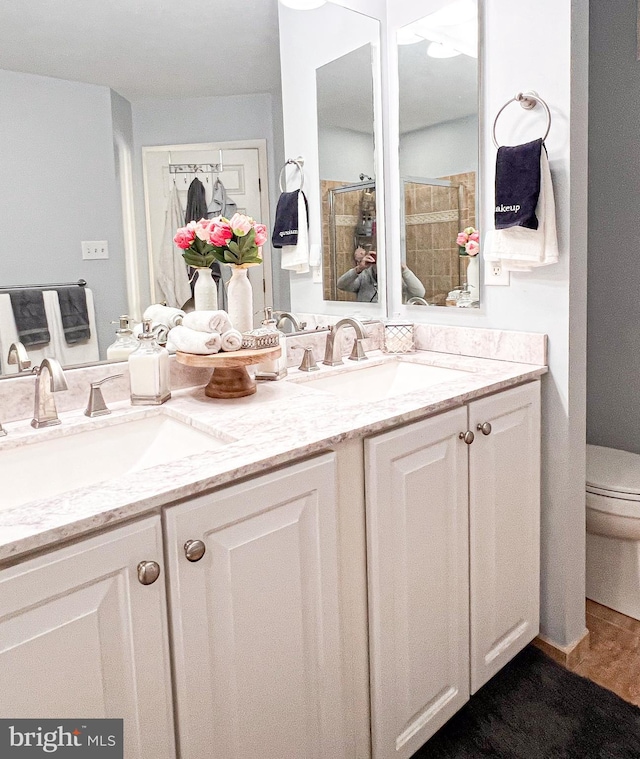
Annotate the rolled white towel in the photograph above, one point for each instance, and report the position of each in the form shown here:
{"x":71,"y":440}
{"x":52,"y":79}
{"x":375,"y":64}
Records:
{"x":207,"y":321}
{"x":231,"y":340}
{"x":191,"y":341}
{"x":165,"y":315}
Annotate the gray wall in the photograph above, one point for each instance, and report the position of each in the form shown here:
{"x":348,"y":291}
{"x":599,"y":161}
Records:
{"x":58,"y":188}
{"x":613,"y":376}
{"x":440,"y":150}
{"x":209,"y":119}
{"x":344,"y":154}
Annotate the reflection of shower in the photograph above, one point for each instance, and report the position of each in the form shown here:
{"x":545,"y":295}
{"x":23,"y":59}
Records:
{"x":365,"y":232}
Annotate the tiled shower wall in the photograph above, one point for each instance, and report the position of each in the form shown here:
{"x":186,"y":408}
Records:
{"x":434,"y":215}
{"x":347,"y":214}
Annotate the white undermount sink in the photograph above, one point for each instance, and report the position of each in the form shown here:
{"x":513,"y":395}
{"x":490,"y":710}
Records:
{"x":376,"y":382}
{"x":88,"y":456}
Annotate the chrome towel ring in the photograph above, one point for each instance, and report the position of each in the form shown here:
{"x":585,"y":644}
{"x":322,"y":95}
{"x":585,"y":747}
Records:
{"x":298,"y":163}
{"x":527,"y":100}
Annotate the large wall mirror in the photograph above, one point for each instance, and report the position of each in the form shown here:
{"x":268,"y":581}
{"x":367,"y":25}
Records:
{"x":81,"y":95}
{"x":438,"y":91}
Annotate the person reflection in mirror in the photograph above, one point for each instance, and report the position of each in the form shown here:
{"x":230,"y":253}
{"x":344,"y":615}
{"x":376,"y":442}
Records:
{"x":362,"y":279}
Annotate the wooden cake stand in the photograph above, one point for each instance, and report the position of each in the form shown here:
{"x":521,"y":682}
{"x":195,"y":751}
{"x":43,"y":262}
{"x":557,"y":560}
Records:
{"x":230,"y":378}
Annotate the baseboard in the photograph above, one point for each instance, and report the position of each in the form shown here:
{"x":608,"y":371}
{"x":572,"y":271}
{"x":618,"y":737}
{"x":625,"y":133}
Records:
{"x":569,"y":656}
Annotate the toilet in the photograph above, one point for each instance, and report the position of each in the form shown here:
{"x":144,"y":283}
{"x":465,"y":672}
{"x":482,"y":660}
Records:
{"x":613,"y":529}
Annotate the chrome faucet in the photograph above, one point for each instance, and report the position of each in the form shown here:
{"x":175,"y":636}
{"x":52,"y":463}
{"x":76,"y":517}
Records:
{"x":18,"y":355}
{"x":50,"y":379}
{"x":96,"y":405}
{"x":283,"y":316}
{"x":332,"y":351}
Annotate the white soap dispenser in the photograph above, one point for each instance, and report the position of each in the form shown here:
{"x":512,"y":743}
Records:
{"x":149,"y":370}
{"x":275,"y":368}
{"x":125,"y":342}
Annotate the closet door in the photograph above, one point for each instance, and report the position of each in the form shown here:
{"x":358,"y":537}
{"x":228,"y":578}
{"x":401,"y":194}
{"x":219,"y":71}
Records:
{"x":504,"y":479}
{"x":417,"y":544}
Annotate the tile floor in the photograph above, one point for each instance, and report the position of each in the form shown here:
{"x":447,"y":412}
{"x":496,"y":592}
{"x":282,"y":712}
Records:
{"x":613,"y":660}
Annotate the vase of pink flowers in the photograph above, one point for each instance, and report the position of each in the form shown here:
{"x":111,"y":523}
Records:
{"x":468,"y":242}
{"x":236,"y":242}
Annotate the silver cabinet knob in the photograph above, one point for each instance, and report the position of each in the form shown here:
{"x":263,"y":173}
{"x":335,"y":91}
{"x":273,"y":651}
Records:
{"x":194,"y":550}
{"x":467,"y":436}
{"x":148,"y":572}
{"x":485,"y":428}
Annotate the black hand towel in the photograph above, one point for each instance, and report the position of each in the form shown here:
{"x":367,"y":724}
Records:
{"x":196,"y":202}
{"x":518,"y":185}
{"x":75,"y":315}
{"x":30,"y":317}
{"x":285,"y":228}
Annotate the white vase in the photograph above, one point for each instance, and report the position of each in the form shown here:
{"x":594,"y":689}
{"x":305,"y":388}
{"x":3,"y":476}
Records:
{"x":240,"y":299}
{"x":473,"y":277}
{"x":205,"y":290}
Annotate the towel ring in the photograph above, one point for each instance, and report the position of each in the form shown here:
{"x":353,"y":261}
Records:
{"x":298,"y":163}
{"x":527,"y":100}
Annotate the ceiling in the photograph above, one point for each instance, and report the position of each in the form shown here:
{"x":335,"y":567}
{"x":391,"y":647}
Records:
{"x":146,"y":48}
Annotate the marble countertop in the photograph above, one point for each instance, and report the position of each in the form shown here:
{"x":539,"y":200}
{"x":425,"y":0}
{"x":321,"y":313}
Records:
{"x":282,"y":422}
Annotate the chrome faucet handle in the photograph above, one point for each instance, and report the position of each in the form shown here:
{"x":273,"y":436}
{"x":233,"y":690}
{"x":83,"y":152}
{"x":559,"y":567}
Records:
{"x":18,"y":355}
{"x":50,"y":379}
{"x":357,"y":353}
{"x":308,"y":363}
{"x":96,"y":405}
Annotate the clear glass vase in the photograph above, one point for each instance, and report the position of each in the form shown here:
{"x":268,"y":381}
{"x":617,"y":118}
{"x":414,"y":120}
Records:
{"x":205,"y":290}
{"x":240,"y":299}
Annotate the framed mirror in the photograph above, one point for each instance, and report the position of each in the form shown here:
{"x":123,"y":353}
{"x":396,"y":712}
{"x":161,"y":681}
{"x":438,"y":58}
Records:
{"x":438,"y":112}
{"x":331,"y":88}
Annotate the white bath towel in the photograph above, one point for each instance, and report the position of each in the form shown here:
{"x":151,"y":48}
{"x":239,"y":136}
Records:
{"x":172,"y":274}
{"x":85,"y":352}
{"x":522,"y":249}
{"x":207,"y":321}
{"x":296,"y":257}
{"x":231,"y":340}
{"x":164,"y":315}
{"x":191,"y":341}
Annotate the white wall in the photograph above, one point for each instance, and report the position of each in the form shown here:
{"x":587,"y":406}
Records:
{"x":613,"y":386}
{"x":345,"y":154}
{"x":440,"y":150}
{"x":551,"y":58}
{"x":58,"y":188}
{"x":209,"y":119}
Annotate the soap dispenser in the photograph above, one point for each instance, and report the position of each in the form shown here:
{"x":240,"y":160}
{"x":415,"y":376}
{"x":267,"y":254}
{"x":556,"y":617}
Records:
{"x":275,"y":368}
{"x":149,"y":370}
{"x":125,"y":342}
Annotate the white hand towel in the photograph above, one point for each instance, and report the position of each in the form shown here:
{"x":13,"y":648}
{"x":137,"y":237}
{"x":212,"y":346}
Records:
{"x":171,"y":317}
{"x":231,"y":340}
{"x":191,"y":341}
{"x":207,"y":321}
{"x":296,"y":257}
{"x":521,"y":249}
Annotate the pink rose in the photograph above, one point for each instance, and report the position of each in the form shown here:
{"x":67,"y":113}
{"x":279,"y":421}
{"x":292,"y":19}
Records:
{"x":261,"y":234}
{"x":219,"y":233}
{"x":240,"y":224}
{"x":475,"y":237}
{"x":184,"y":237}
{"x":472,"y":248}
{"x":202,"y":230}
{"x":462,"y":239}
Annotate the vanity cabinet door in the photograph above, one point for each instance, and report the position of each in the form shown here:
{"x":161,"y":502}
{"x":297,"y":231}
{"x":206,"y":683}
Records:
{"x":81,"y":637}
{"x":417,"y":544}
{"x":504,"y":484}
{"x":256,"y":625}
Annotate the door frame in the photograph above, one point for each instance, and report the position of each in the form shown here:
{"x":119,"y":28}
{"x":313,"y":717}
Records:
{"x":259,"y":145}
